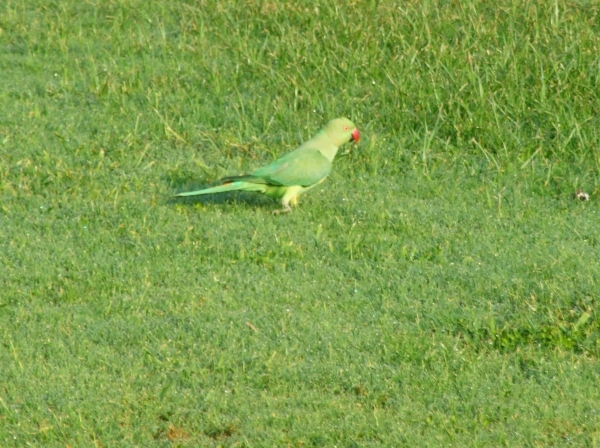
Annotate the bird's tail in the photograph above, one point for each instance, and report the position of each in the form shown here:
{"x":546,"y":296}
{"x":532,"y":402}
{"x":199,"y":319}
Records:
{"x":231,"y":186}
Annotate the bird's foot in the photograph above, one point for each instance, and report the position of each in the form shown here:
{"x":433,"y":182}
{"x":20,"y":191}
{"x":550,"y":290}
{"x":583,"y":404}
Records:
{"x":286,"y":209}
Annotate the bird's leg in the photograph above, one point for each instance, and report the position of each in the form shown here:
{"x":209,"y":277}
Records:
{"x":290,"y":196}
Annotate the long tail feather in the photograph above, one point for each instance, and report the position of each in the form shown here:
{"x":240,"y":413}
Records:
{"x":232,"y":186}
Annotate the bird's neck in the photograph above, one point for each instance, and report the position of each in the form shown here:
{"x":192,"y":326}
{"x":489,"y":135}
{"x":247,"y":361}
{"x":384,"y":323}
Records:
{"x":325,"y":145}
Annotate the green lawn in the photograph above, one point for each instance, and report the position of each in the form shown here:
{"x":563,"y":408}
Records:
{"x":439,"y":289}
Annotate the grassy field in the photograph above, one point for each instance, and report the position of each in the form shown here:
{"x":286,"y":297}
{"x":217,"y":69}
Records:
{"x":439,"y":289}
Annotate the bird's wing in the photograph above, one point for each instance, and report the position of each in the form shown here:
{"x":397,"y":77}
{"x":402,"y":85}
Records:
{"x":304,"y":168}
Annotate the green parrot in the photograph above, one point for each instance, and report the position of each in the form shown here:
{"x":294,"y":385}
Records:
{"x":295,"y":172}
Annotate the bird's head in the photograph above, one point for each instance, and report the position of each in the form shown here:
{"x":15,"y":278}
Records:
{"x":342,"y":130}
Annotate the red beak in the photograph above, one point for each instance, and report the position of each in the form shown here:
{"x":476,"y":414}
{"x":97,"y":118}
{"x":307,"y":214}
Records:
{"x":355,"y":135}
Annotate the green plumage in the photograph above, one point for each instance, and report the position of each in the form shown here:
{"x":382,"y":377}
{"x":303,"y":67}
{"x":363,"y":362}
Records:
{"x":295,"y":172}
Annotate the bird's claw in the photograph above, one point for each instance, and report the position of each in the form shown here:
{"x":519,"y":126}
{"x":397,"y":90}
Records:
{"x":286,"y":209}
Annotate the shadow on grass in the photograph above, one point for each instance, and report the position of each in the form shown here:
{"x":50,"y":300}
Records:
{"x":232,"y":197}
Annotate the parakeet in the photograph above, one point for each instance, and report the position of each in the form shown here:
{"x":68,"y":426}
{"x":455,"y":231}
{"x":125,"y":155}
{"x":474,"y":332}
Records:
{"x":295,"y":172}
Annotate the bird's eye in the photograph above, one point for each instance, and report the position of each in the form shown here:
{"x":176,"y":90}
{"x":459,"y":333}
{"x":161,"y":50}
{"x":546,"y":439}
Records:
{"x":346,"y":128}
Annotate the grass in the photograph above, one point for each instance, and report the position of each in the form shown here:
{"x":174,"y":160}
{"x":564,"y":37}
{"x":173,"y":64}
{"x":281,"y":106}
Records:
{"x":439,"y":289}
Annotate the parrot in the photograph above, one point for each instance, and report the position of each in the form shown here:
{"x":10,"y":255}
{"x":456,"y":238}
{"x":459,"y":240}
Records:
{"x":293,"y":173}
